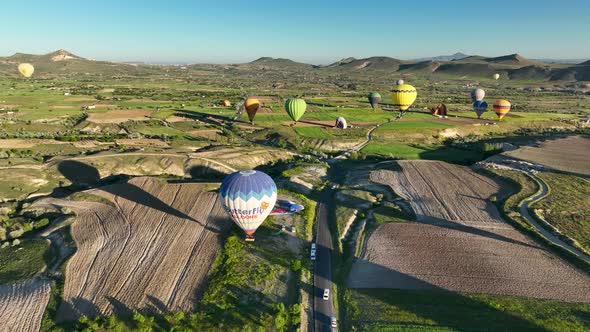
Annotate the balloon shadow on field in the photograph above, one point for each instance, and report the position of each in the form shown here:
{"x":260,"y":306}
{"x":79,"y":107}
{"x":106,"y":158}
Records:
{"x":84,"y":176}
{"x":428,"y":302}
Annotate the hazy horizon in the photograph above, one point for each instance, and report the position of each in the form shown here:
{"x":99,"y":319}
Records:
{"x":304,"y":31}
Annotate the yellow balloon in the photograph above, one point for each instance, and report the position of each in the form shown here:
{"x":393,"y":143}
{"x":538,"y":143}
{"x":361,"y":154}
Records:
{"x":26,"y":69}
{"x":403,"y":96}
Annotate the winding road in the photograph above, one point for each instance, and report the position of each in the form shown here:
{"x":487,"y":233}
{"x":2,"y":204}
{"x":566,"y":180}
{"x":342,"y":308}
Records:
{"x":524,"y":211}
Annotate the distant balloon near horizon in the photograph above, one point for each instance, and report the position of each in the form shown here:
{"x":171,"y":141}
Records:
{"x":374,"y":99}
{"x":479,"y":107}
{"x":501,"y":108}
{"x":496,"y":76}
{"x":403,"y":96}
{"x":295,"y":107}
{"x":248,"y":196}
{"x":252,"y":105}
{"x":26,"y":69}
{"x":341,"y":123}
{"x":399,"y":82}
{"x":477,"y":94}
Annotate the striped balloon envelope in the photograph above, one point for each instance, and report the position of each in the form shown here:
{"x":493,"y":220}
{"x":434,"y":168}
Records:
{"x":248,"y":197}
{"x":295,"y":107}
{"x":403,"y":96}
{"x":501,"y":107}
{"x":480,"y":106}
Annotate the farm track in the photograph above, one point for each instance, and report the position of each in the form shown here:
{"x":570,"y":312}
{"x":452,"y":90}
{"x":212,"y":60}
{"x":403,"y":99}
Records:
{"x":151,"y":252}
{"x":22,"y":305}
{"x":524,"y":211}
{"x":460,"y":242}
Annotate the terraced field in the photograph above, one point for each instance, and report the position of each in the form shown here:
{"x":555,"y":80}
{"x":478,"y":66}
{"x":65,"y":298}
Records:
{"x":151,"y":252}
{"x":460,"y":244}
{"x":22,"y":305}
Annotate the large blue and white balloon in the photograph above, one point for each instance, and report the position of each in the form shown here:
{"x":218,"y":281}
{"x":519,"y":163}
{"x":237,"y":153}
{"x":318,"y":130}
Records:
{"x":248,"y":197}
{"x":479,"y":106}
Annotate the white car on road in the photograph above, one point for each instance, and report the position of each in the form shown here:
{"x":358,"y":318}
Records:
{"x":326,"y":294}
{"x":333,"y":322}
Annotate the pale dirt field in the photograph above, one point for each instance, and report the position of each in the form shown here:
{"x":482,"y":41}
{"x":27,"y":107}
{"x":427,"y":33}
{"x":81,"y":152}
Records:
{"x":571,"y":154}
{"x":498,"y":261}
{"x":16,"y":143}
{"x":152,"y":142}
{"x":119,"y":116}
{"x":152,"y":252}
{"x":58,"y":107}
{"x":460,"y":242}
{"x":22,"y":305}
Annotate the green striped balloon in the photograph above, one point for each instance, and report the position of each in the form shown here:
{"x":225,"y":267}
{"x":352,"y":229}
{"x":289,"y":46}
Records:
{"x":295,"y":107}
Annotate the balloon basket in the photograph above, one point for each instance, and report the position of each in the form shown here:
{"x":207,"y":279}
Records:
{"x":249,"y":238}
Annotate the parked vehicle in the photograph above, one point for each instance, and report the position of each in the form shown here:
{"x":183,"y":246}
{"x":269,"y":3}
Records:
{"x":333,"y":322}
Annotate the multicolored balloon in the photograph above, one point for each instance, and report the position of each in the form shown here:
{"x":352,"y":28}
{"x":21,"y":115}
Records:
{"x":477,"y":94}
{"x":248,"y":197}
{"x":480,"y":106}
{"x":496,"y":76}
{"x":295,"y":107}
{"x":26,"y":69}
{"x":374,"y":99}
{"x":403,"y":96}
{"x":252,"y":105}
{"x":501,"y":107}
{"x":341,"y":123}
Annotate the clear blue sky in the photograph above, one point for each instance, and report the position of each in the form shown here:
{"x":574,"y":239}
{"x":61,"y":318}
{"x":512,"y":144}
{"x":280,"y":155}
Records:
{"x":311,"y":31}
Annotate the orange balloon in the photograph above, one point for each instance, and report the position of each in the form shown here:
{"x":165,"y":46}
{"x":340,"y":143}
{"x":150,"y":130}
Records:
{"x":252,"y":106}
{"x":501,"y":107}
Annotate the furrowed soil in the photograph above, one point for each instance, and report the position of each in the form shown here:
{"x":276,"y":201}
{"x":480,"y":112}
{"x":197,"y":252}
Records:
{"x":151,"y":252}
{"x":570,"y":154}
{"x":460,"y":243}
{"x":22,"y":305}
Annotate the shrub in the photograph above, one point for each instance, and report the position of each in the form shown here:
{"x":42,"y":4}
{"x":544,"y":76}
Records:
{"x":296,"y":265}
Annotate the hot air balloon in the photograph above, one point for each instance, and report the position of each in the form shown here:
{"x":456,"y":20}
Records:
{"x":480,"y":106}
{"x":501,"y":107}
{"x":399,"y":82}
{"x":248,"y":197}
{"x":439,"y":110}
{"x":341,"y":123}
{"x":252,"y":106}
{"x":477,"y":94}
{"x":295,"y":107}
{"x":26,"y":69}
{"x":374,"y":99}
{"x":403,"y":96}
{"x":226,"y":103}
{"x":496,"y":76}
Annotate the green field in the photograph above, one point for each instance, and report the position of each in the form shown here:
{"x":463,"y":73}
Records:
{"x":23,"y":261}
{"x":567,"y":207}
{"x":405,"y":310}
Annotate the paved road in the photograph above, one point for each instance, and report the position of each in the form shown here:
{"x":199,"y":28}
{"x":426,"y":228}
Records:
{"x":524,"y":211}
{"x":322,"y":278}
